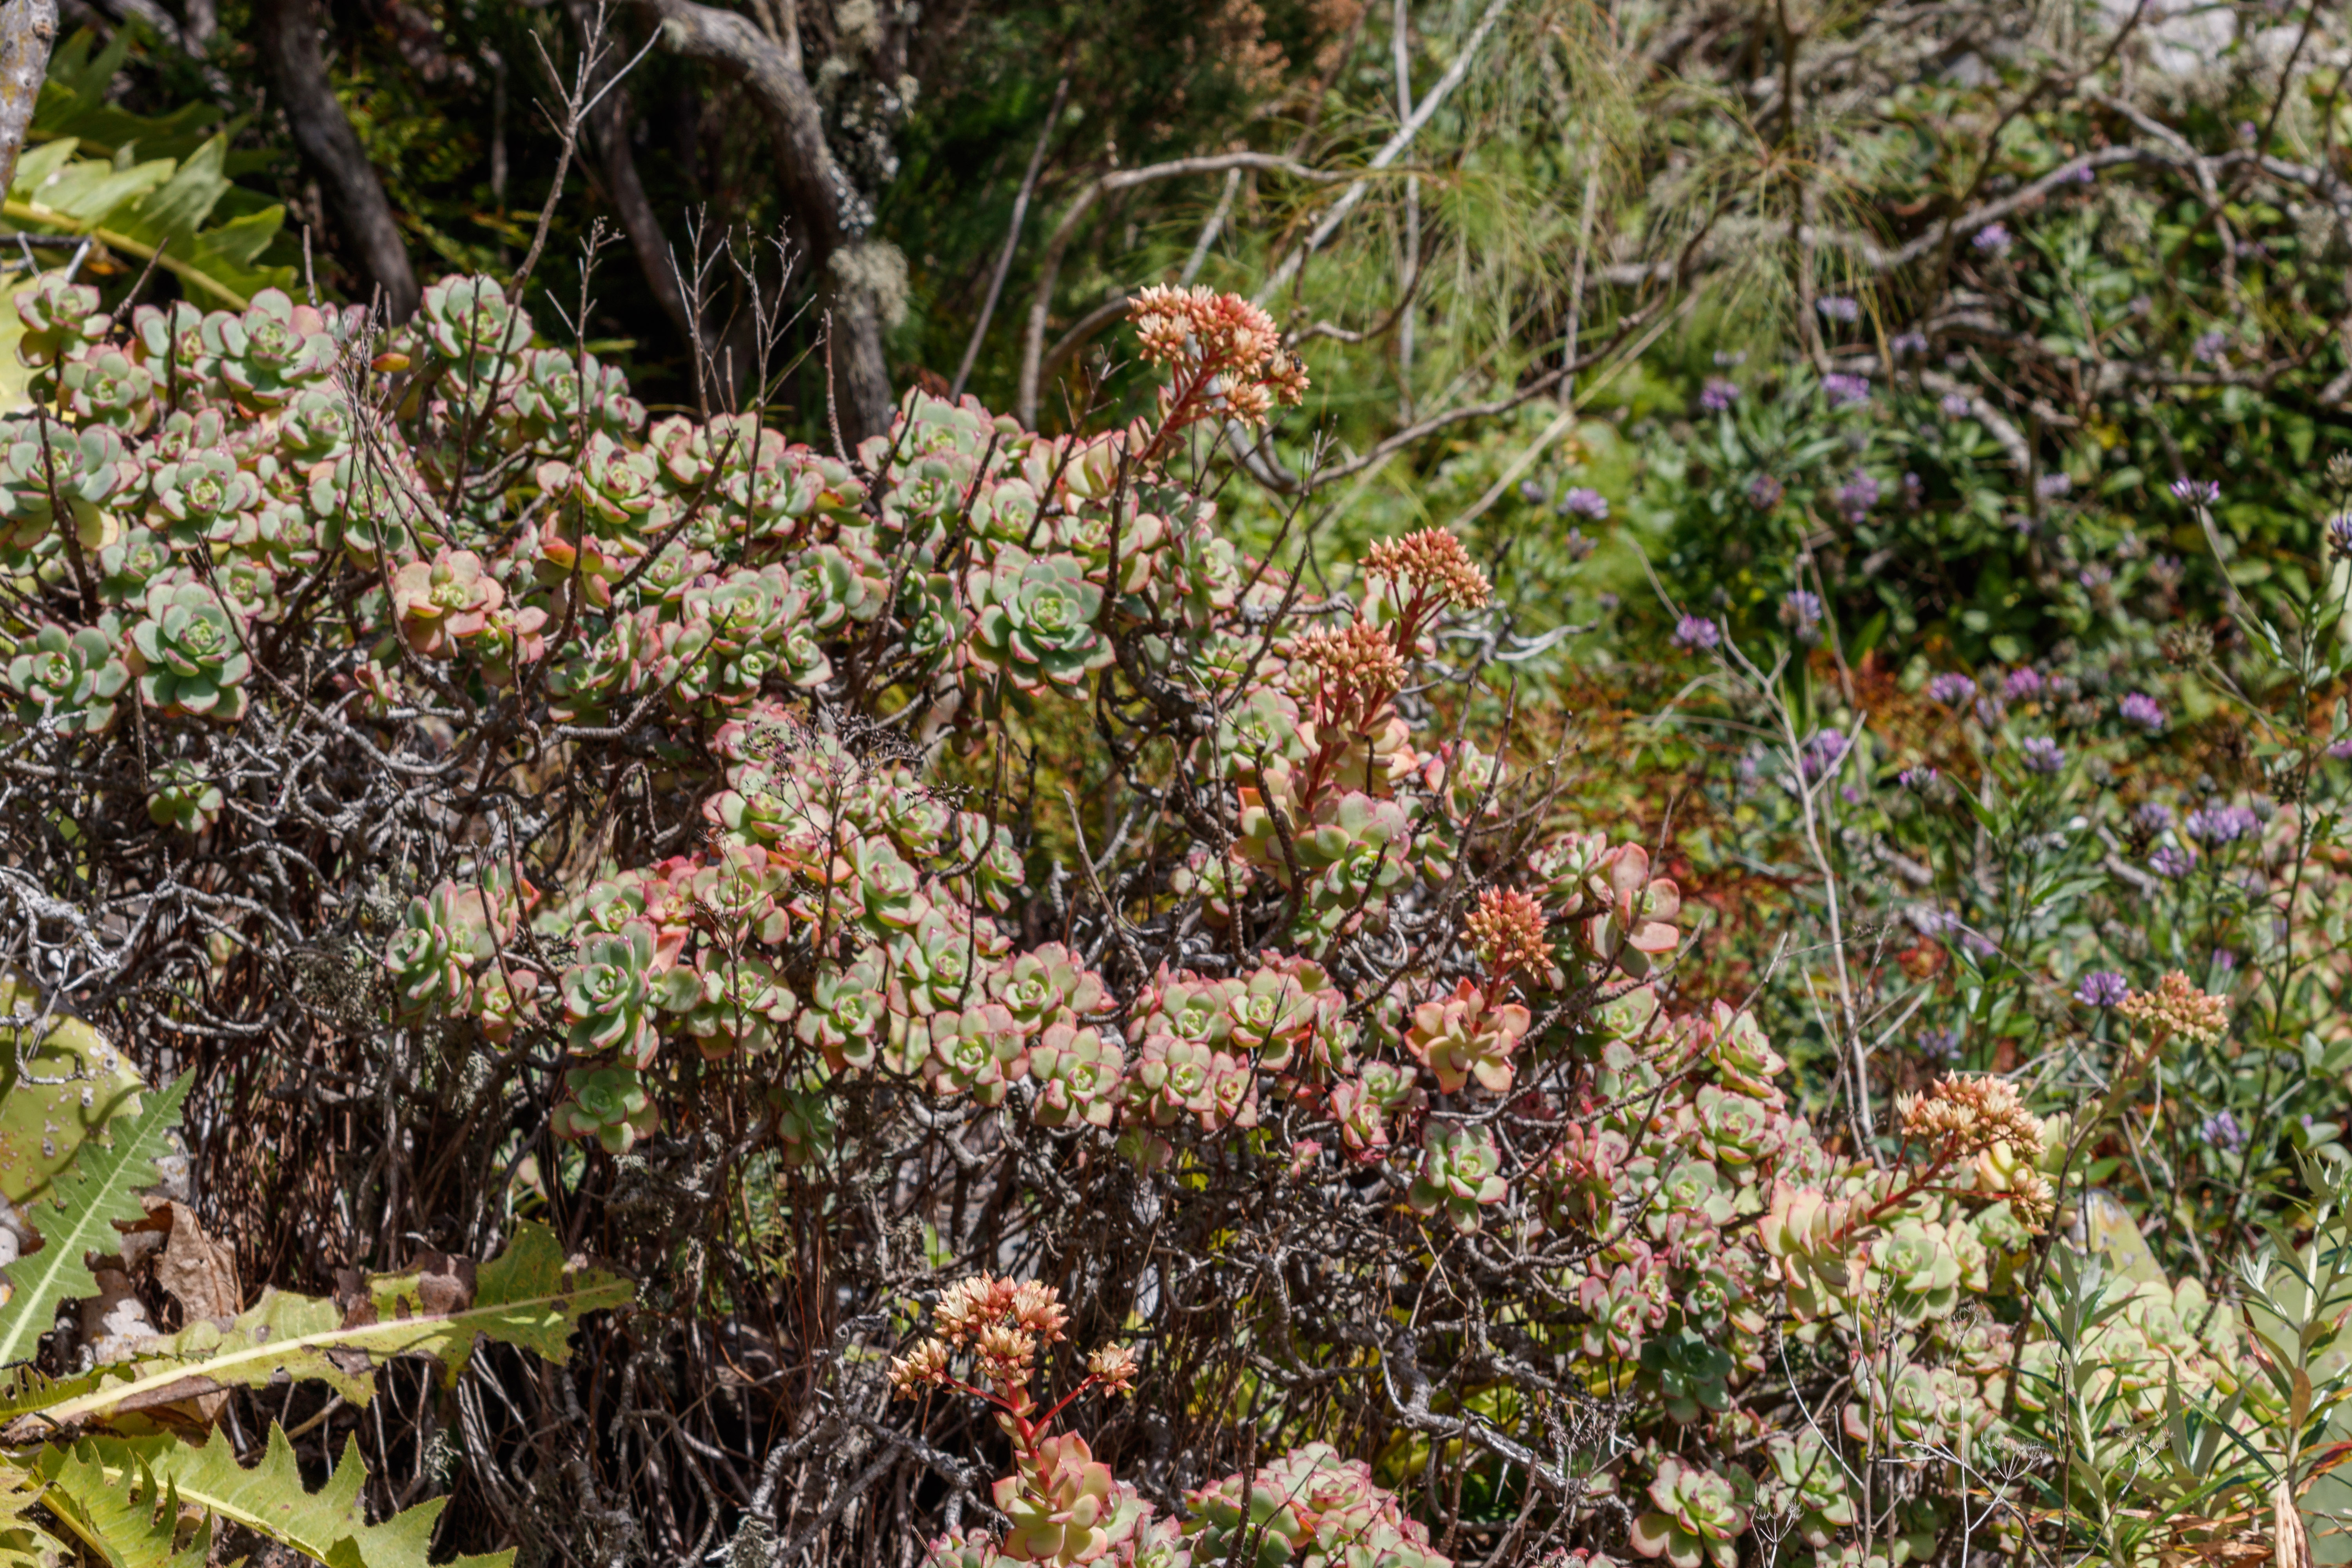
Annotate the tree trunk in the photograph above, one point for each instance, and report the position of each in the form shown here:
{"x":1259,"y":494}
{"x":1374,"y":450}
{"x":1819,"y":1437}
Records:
{"x":858,"y":276}
{"x":288,"y":39}
{"x":27,"y":30}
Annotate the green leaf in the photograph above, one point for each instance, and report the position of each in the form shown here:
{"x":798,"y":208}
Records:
{"x":128,"y":1518}
{"x":73,"y":1081}
{"x":527,"y":1297}
{"x":85,"y":1200}
{"x":329,"y":1525}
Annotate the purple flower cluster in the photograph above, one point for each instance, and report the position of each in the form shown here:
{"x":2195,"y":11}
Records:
{"x":1843,"y":390}
{"x":2222,"y":1132}
{"x":2197,"y":492}
{"x":2339,"y":534}
{"x":1857,"y":496}
{"x":2022,"y":684}
{"x":1764,"y":492}
{"x":1907,"y":344}
{"x":1584,"y":502}
{"x":1577,"y":546}
{"x":2341,"y":749}
{"x":1718,"y":395}
{"x":2140,"y":709}
{"x":2171,"y":861}
{"x":2044,"y":756}
{"x":1939,"y":1044}
{"x":1822,"y":754}
{"x":2218,"y":825}
{"x":1955,"y":404}
{"x":1801,"y":612}
{"x":1918,"y":775}
{"x":1838,"y":307}
{"x":1992,"y":240}
{"x":1950,"y":689}
{"x":1696,"y":634}
{"x":2050,"y":487}
{"x":2101,"y":988}
{"x":2153,"y":815}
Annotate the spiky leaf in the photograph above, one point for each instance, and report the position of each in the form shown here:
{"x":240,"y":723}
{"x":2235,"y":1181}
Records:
{"x":329,"y":1525}
{"x":528,"y":1297}
{"x":128,"y":1517}
{"x":78,"y":1218}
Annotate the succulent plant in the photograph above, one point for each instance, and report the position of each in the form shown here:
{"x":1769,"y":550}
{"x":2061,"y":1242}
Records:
{"x":611,"y":996}
{"x":1916,"y":1267}
{"x":189,"y":653}
{"x":1689,"y":1373}
{"x":1061,"y":1502}
{"x":736,"y":1005}
{"x":1623,"y":1306}
{"x":1461,"y":1173}
{"x":444,"y":602}
{"x":206,"y":497}
{"x":1033,"y":621}
{"x":179,"y":795}
{"x":59,"y":317}
{"x":609,"y":1104}
{"x":1698,"y":1515}
{"x":442,"y":937}
{"x":45,"y":464}
{"x":1808,"y":1482}
{"x":105,"y":387}
{"x":271,"y":353}
{"x":70,"y":677}
{"x":1077,"y":1074}
{"x":470,"y":325}
{"x":1466,"y":1036}
{"x":979,"y":1051}
{"x":845,"y":1017}
{"x":1309,"y":1509}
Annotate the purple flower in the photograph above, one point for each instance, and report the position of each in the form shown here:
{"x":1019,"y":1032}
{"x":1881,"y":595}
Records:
{"x":1914,"y":488}
{"x":1950,"y":689}
{"x":2044,"y":756}
{"x":1577,"y":545}
{"x":2341,"y":749}
{"x":2142,"y":709}
{"x":1823,"y":753}
{"x":1857,"y":496}
{"x":1908,"y":343}
{"x":1585,"y":503}
{"x":1533,"y":493}
{"x":1843,"y":390}
{"x":1979,"y":945}
{"x":2101,"y":988}
{"x":2197,"y":492}
{"x":1718,"y":395}
{"x":2166,"y":571}
{"x":2023,"y":684}
{"x":1838,"y":307}
{"x":2210,"y":346}
{"x":2172,"y":862}
{"x":1801,"y":612}
{"x":1955,"y":404}
{"x":1918,"y":775}
{"x":1939,"y":1044}
{"x":2153,"y":815}
{"x":2224,"y":960}
{"x":2222,"y":1131}
{"x":2083,"y":174}
{"x":1992,"y":240}
{"x":1696,"y":634}
{"x":2050,"y":487}
{"x":1764,"y":492}
{"x":1991,"y":709}
{"x":2095,"y":578}
{"x":2219,"y":825}
{"x":2339,"y":533}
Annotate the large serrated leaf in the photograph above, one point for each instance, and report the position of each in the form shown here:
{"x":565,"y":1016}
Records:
{"x":527,"y":1297}
{"x":329,"y":1525}
{"x":73,"y":1081}
{"x":84,"y":1201}
{"x":128,"y":1517}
